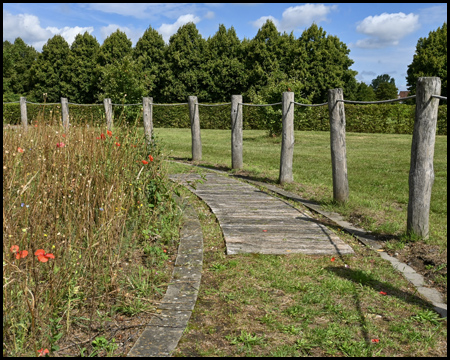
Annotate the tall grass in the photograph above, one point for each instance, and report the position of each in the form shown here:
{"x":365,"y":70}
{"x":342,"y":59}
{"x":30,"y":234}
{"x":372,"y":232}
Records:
{"x":100,"y":203}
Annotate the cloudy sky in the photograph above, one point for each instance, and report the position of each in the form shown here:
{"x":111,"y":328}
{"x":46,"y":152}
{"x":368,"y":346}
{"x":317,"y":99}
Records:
{"x":382,"y":37}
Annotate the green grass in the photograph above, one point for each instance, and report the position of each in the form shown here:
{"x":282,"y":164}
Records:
{"x":378,"y":170}
{"x":305,"y":305}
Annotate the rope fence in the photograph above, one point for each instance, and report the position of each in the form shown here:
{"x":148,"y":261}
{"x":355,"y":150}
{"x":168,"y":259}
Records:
{"x":376,"y":102}
{"x":259,"y":104}
{"x":296,"y":103}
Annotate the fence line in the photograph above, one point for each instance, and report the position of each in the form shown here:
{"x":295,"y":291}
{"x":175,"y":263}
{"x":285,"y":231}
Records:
{"x":260,"y":104}
{"x":296,"y":103}
{"x":84,"y":104}
{"x":439,"y":97}
{"x":376,"y":102}
{"x":211,"y":105}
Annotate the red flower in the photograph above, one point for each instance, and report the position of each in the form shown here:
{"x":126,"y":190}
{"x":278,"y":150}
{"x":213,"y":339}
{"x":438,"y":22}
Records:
{"x":375,"y":340}
{"x":150,"y":157}
{"x":144,"y":162}
{"x":98,"y":137}
{"x":60,"y":145}
{"x":42,"y":256}
{"x":14,"y":248}
{"x":19,"y":254}
{"x":117,"y":144}
{"x":264,"y":230}
{"x":383,"y":293}
{"x":19,"y":149}
{"x":332,"y":259}
{"x":63,"y":135}
{"x":43,"y":352}
{"x":102,"y":136}
{"x":165,"y":250}
{"x":109,"y":132}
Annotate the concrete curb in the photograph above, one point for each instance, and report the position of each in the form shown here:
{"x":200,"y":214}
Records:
{"x":432,"y":295}
{"x":161,"y":336}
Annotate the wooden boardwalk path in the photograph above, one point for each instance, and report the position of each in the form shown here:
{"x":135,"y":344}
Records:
{"x":255,"y":222}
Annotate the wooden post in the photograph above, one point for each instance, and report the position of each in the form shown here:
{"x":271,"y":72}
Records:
{"x":236,"y":132}
{"x":421,"y":173}
{"x":65,"y":113}
{"x":23,"y":112}
{"x":338,"y":149}
{"x":108,"y":113}
{"x":287,"y":140}
{"x":195,"y":129}
{"x":148,"y":118}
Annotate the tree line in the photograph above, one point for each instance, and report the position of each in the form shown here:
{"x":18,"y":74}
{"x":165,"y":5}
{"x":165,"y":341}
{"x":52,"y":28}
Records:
{"x":213,"y":69}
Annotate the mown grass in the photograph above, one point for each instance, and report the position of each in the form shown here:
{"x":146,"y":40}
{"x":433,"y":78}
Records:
{"x":378,"y":170}
{"x":106,"y":217}
{"x":305,"y":305}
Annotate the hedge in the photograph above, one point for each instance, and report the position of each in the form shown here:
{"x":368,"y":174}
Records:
{"x":371,"y":118}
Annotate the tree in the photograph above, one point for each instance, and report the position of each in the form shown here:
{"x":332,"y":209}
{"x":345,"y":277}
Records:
{"x":80,"y":79}
{"x":224,"y":68}
{"x":115,"y":47}
{"x":385,"y":78}
{"x":430,"y":59}
{"x":386,"y":91}
{"x":365,"y":93}
{"x":46,"y":72}
{"x":324,"y":64}
{"x":149,"y":55}
{"x":17,"y":61}
{"x":184,"y":75}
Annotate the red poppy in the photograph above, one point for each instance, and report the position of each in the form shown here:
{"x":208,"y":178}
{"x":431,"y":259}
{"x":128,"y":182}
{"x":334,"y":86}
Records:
{"x":14,"y":248}
{"x":165,"y":250}
{"x":109,"y":132}
{"x":144,"y":162}
{"x":264,"y":230}
{"x":98,"y":137}
{"x":375,"y":340}
{"x":117,"y":144}
{"x":150,"y":157}
{"x":332,"y":259}
{"x":383,"y":293}
{"x":63,"y":135}
{"x":43,"y":256}
{"x":19,"y":149}
{"x":60,"y":145}
{"x":102,"y":136}
{"x":43,"y":352}
{"x":21,"y":254}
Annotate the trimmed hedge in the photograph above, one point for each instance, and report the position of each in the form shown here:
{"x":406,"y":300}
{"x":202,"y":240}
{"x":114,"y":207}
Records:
{"x":371,"y":118}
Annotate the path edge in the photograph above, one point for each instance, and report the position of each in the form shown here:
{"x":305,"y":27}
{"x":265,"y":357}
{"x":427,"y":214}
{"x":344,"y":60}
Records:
{"x":162,"y":334}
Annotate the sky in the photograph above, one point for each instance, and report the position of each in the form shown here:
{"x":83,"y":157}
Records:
{"x":382,"y":37}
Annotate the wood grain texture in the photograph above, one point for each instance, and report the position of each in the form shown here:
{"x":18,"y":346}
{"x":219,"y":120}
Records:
{"x":255,"y":222}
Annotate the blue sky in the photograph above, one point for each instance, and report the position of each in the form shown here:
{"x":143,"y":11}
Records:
{"x":381,"y":37}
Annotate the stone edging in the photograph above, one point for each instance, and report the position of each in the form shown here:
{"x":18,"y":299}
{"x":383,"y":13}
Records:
{"x":161,"y":336}
{"x":432,"y":295}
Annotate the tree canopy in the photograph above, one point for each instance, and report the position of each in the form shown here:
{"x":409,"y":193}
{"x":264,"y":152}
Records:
{"x":430,"y":59}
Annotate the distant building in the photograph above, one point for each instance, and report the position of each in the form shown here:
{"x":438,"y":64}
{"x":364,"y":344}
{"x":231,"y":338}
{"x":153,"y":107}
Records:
{"x":402,"y":94}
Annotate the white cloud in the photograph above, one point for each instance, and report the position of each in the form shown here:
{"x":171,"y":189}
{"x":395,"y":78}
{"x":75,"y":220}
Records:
{"x":296,"y":17}
{"x":132,"y":34}
{"x":386,"y":29}
{"x":29,"y":29}
{"x":210,"y":15}
{"x":167,"y":30}
{"x":262,"y":20}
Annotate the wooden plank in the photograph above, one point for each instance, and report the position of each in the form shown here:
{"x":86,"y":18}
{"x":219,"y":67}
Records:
{"x":255,"y":222}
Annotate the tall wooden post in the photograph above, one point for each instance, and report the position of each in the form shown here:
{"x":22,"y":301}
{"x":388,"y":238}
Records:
{"x":421,"y":173}
{"x":23,"y":112}
{"x":65,"y":113}
{"x":195,"y":129}
{"x":148,"y":118}
{"x":108,"y":112}
{"x":287,"y":139}
{"x":236,"y":132}
{"x":338,"y":149}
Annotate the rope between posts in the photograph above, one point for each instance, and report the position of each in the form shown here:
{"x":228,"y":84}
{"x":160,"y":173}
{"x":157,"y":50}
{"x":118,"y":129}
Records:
{"x":296,"y":103}
{"x":213,"y":104}
{"x":375,"y":102}
{"x":439,"y":97}
{"x":29,"y":102}
{"x":126,"y":104}
{"x":84,"y":104}
{"x":12,"y":102}
{"x":169,"y":104}
{"x":260,"y":104}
